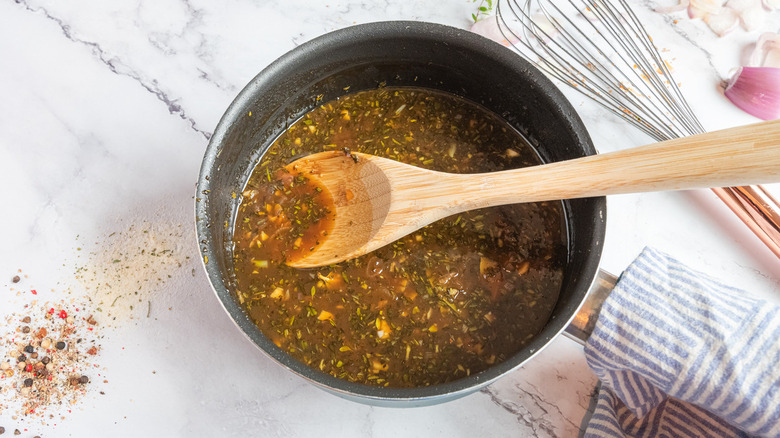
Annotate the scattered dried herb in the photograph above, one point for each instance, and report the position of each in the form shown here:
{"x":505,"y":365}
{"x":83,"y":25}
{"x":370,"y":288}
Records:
{"x":130,"y":266}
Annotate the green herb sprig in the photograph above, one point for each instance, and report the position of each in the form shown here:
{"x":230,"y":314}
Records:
{"x":484,"y":9}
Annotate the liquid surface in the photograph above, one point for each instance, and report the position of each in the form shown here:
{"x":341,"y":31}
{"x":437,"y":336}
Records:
{"x":445,"y":302}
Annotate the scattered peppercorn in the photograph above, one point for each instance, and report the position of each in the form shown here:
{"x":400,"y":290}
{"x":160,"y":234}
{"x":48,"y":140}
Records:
{"x":2,"y":429}
{"x":17,"y":432}
{"x":83,"y":379}
{"x":44,"y":376}
{"x":16,"y":279}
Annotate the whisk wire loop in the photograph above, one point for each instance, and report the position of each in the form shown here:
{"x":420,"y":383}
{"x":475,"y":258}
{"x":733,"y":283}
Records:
{"x":601,"y":49}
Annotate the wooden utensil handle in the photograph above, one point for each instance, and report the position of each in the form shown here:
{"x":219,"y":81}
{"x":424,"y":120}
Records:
{"x":736,"y":156}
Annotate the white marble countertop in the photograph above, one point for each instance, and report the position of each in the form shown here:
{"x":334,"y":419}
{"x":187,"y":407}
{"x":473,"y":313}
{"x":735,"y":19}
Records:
{"x":105,"y":112}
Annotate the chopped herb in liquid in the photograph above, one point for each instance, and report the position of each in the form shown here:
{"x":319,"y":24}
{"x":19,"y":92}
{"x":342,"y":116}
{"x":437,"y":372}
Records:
{"x":445,"y":302}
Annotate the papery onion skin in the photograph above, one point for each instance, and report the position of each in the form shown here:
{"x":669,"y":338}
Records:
{"x":767,"y":51}
{"x":756,"y":90}
{"x":753,"y":18}
{"x":771,"y":5}
{"x":723,"y":22}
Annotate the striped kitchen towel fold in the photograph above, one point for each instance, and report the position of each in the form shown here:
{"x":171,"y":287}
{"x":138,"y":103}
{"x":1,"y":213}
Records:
{"x":680,"y":354}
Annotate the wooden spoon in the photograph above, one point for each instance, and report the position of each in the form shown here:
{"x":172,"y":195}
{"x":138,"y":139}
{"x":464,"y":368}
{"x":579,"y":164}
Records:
{"x":378,"y":201}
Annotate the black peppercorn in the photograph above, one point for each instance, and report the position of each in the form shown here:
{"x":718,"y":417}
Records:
{"x":16,"y":279}
{"x":29,"y":349}
{"x":22,"y":358}
{"x":59,"y":345}
{"x":28,"y":382}
{"x":83,"y":379}
{"x":46,"y":360}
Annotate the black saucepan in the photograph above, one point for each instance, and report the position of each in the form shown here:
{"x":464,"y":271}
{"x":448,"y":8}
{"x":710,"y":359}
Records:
{"x":394,"y":54}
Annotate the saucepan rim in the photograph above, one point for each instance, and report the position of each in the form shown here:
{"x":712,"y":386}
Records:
{"x":206,"y":226}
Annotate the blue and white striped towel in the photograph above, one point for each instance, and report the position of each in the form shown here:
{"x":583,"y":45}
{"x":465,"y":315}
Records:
{"x":681,"y":355}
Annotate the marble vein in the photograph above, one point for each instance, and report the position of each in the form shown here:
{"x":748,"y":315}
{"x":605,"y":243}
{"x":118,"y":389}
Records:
{"x":522,"y":413}
{"x":116,"y":66}
{"x":541,"y":402}
{"x":671,"y":22}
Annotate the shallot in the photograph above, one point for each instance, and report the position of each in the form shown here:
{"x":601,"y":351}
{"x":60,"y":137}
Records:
{"x":756,"y":90}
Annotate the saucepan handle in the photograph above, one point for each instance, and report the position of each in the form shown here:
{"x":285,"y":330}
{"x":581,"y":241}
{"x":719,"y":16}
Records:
{"x":581,"y":327}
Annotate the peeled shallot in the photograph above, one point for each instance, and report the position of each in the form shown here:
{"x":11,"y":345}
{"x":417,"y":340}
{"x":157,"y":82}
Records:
{"x":755,"y":88}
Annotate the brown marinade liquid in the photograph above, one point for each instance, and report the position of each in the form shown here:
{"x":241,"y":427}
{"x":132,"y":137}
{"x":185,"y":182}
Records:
{"x":445,"y":302}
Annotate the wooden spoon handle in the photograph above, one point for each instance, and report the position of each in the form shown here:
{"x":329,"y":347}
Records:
{"x":736,"y":156}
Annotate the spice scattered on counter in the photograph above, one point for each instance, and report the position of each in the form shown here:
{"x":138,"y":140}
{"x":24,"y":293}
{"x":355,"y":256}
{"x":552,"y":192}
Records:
{"x":16,"y":279}
{"x":129,"y":267}
{"x":47,"y":362}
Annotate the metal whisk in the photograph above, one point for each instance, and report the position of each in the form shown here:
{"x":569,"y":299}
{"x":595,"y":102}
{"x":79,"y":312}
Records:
{"x":601,"y":49}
